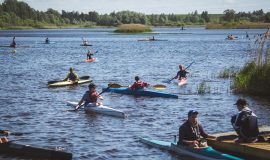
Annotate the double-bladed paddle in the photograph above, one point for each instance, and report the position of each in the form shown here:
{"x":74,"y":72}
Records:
{"x":83,"y":77}
{"x":169,"y":81}
{"x":157,"y":86}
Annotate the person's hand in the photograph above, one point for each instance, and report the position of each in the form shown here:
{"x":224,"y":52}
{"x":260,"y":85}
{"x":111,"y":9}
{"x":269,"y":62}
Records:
{"x":195,"y":143}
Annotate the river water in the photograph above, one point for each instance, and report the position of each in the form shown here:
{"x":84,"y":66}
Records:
{"x":29,"y":106}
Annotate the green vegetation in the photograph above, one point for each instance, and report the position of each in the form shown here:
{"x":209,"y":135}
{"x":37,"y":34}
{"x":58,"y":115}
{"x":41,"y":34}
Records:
{"x":19,"y":14}
{"x":228,"y":73}
{"x":133,"y":28}
{"x":254,"y":78}
{"x":203,"y":88}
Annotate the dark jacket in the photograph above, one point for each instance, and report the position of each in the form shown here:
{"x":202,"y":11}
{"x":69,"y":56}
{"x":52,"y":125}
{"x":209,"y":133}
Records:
{"x":187,"y":132}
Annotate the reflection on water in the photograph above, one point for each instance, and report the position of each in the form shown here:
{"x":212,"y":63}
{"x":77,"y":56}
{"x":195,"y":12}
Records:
{"x":28,"y":106}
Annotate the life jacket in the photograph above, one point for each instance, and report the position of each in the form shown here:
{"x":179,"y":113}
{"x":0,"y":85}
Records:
{"x":93,"y":97}
{"x":138,"y":85}
{"x":72,"y":76}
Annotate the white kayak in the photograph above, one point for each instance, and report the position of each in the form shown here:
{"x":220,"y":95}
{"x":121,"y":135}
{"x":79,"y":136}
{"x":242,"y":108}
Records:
{"x":100,"y":109}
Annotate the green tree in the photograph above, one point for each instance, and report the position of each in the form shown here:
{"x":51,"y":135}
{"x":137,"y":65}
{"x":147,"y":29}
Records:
{"x":229,"y":15}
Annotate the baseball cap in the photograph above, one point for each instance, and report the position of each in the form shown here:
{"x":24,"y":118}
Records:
{"x":192,"y":112}
{"x":241,"y":101}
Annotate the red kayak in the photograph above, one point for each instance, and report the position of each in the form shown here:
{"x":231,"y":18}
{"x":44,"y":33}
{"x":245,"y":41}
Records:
{"x":90,"y":60}
{"x":182,"y":82}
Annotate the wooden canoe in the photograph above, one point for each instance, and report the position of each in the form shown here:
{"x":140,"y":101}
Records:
{"x":259,"y":150}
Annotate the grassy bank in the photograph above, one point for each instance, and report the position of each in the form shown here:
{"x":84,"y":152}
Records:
{"x":253,"y":79}
{"x":241,"y":25}
{"x":133,"y":28}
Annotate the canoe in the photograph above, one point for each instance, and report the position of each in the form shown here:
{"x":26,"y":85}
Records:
{"x":206,"y":153}
{"x":68,"y":83}
{"x":86,"y":44}
{"x":182,"y":82}
{"x":258,"y":150}
{"x":90,"y":60}
{"x":100,"y":110}
{"x":140,"y":92}
{"x":14,"y":149}
{"x":17,"y":46}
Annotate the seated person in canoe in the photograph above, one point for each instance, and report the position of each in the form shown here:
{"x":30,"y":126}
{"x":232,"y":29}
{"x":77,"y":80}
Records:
{"x":90,"y":96}
{"x":72,"y":76}
{"x":245,"y":123}
{"x":138,"y":84}
{"x":47,"y":40}
{"x":182,"y":73}
{"x":191,"y":132}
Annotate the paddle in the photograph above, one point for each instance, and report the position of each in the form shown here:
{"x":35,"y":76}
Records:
{"x":157,"y":86}
{"x":169,"y":81}
{"x":83,"y":77}
{"x":6,"y":133}
{"x":77,"y":107}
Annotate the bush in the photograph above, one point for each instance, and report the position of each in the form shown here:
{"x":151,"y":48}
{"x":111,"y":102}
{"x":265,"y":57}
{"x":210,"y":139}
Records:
{"x":133,"y":28}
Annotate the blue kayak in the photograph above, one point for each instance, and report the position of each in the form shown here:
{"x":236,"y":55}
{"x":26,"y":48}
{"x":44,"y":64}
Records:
{"x":140,"y":92}
{"x":207,"y":153}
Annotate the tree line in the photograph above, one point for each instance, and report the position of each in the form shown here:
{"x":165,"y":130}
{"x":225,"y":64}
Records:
{"x":18,"y":13}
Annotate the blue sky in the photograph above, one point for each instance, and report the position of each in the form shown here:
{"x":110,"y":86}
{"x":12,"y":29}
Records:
{"x":150,"y":6}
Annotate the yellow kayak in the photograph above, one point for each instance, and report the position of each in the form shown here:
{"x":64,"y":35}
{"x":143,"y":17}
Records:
{"x":68,"y":83}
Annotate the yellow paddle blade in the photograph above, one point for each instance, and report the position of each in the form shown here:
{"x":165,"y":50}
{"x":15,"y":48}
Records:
{"x":114,"y":85}
{"x":159,"y":86}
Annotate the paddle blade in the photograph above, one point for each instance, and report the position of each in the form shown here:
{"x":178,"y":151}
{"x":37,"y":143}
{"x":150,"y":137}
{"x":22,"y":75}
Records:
{"x":114,"y":85}
{"x":85,"y":77}
{"x":159,"y":86}
{"x":51,"y":82}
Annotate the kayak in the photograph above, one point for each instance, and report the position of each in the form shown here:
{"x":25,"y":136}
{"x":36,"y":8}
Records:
{"x":140,"y":92}
{"x":17,"y":46}
{"x":90,"y":60}
{"x":206,"y":153}
{"x":90,"y":108}
{"x":68,"y":83}
{"x":15,"y":149}
{"x":182,"y":82}
{"x":86,"y":44}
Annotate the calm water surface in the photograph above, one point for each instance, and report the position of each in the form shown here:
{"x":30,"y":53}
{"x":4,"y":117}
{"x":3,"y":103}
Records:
{"x":29,"y":106}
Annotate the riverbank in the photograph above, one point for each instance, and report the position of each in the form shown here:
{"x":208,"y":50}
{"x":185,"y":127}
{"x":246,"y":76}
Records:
{"x":234,"y":25}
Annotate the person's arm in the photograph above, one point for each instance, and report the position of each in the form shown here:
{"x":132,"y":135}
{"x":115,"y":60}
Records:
{"x":67,"y":77}
{"x":203,"y":133}
{"x":177,"y":75}
{"x":81,"y":101}
{"x":182,"y":137}
{"x":133,"y":87}
{"x":77,"y":77}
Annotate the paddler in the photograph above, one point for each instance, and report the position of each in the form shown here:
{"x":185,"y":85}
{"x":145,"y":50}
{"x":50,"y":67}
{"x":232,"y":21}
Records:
{"x":191,"y":132}
{"x":47,"y":40}
{"x":90,"y":96}
{"x":3,"y":139}
{"x":13,"y":43}
{"x":138,"y":84}
{"x":182,"y":73}
{"x":89,"y":54}
{"x":72,"y":76}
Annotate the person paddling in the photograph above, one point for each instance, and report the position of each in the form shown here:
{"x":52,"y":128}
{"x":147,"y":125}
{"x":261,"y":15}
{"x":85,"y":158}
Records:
{"x":89,"y":54}
{"x":138,"y":84}
{"x":47,"y":40}
{"x":182,"y":73}
{"x":72,"y":76}
{"x":90,"y":97}
{"x":13,"y":43}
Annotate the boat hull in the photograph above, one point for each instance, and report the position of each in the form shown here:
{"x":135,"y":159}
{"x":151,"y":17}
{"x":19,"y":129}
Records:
{"x":90,"y":60}
{"x":100,"y":110}
{"x":140,"y":93}
{"x":182,"y":81}
{"x":14,"y":149}
{"x":68,"y":83}
{"x":207,"y":153}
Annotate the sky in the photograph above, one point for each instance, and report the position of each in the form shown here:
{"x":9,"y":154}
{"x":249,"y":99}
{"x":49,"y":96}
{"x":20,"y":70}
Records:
{"x":150,"y":6}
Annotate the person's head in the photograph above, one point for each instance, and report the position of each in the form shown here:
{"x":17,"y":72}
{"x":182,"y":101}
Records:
{"x":181,"y":67}
{"x":71,"y":69}
{"x":193,"y":117}
{"x":241,"y":103}
{"x":137,"y":78}
{"x":92,"y":87}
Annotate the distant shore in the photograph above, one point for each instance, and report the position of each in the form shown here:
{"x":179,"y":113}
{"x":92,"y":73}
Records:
{"x":207,"y":26}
